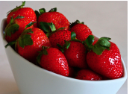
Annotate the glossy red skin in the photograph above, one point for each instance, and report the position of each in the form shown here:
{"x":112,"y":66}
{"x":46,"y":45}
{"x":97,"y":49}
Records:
{"x":58,"y":19}
{"x":27,"y":12}
{"x":75,"y":55}
{"x":55,"y":61}
{"x":108,"y":64}
{"x":30,"y":52}
{"x":82,"y":31}
{"x":22,"y":24}
{"x":88,"y":75}
{"x":59,"y":37}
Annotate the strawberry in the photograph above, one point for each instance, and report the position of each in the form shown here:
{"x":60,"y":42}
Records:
{"x":75,"y":54}
{"x":54,"y":60}
{"x":58,"y":19}
{"x":16,"y":26}
{"x":104,"y":57}
{"x":82,"y":31}
{"x":59,"y":37}
{"x":30,"y":43}
{"x":85,"y":74}
{"x":26,"y":12}
{"x":56,"y":36}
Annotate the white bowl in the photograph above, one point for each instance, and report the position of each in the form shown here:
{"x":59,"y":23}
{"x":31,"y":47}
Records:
{"x":32,"y":79}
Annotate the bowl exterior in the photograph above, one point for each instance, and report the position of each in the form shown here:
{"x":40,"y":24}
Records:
{"x":34,"y":80}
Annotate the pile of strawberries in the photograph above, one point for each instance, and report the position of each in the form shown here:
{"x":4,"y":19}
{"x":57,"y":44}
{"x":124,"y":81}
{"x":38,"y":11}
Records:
{"x":50,"y":41}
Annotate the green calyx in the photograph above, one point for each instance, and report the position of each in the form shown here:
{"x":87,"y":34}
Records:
{"x":53,"y":10}
{"x":49,"y":28}
{"x":42,"y":52}
{"x":65,"y":46}
{"x":12,"y":27}
{"x":76,"y":22}
{"x":15,"y":9}
{"x":67,"y":43}
{"x":73,"y":37}
{"x":25,"y":38}
{"x":30,"y":24}
{"x":43,"y":10}
{"x":102,"y":44}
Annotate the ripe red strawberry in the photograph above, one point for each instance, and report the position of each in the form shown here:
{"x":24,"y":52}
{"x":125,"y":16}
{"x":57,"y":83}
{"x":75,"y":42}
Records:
{"x":30,"y":43}
{"x":59,"y":37}
{"x":71,"y":72}
{"x":104,"y":57}
{"x":54,"y":60}
{"x":88,"y":75}
{"x":26,"y":12}
{"x":16,"y":26}
{"x":82,"y":31}
{"x":75,"y":54}
{"x":58,"y":19}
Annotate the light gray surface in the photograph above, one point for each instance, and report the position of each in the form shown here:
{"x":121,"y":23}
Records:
{"x":104,"y":19}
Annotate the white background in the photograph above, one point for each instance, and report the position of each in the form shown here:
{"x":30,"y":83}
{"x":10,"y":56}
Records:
{"x":105,"y":18}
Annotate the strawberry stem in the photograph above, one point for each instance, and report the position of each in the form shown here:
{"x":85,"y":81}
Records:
{"x":15,"y":9}
{"x":76,"y":22}
{"x":10,"y":44}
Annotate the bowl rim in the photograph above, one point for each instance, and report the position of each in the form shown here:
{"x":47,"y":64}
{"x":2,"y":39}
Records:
{"x":58,"y":75}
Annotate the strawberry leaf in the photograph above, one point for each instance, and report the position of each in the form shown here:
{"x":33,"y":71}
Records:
{"x":52,"y":27}
{"x":45,"y":52}
{"x":53,"y":10}
{"x":89,"y":41}
{"x":37,"y":14}
{"x":9,"y":30}
{"x":48,"y":34}
{"x":10,"y":44}
{"x":73,"y":35}
{"x":42,"y":10}
{"x":47,"y":27}
{"x":102,"y":44}
{"x":42,"y":52}
{"x":12,"y":27}
{"x":98,"y":49}
{"x":38,"y":58}
{"x":76,"y":40}
{"x":104,"y":41}
{"x":62,"y":28}
{"x":44,"y":26}
{"x":19,"y":17}
{"x":67,"y":44}
{"x":25,"y":40}
{"x":30,"y":24}
{"x":76,"y":22}
{"x":61,"y":48}
{"x":28,"y":31}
